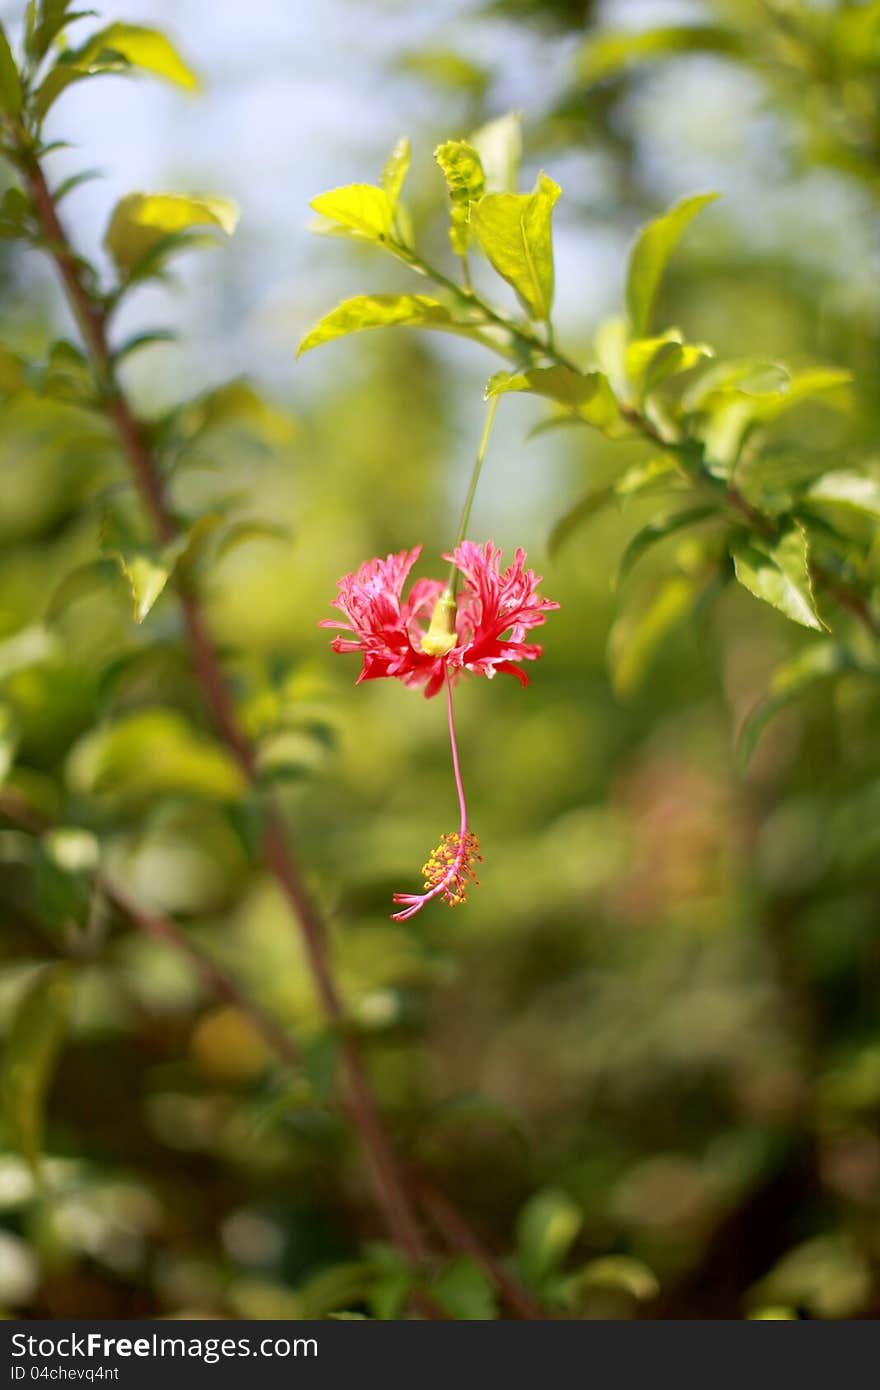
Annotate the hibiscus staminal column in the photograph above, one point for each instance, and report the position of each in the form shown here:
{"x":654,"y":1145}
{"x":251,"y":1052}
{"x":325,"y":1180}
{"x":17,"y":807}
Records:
{"x":450,"y":868}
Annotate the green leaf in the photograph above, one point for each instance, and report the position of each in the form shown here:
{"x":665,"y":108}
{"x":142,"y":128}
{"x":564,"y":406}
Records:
{"x":11,"y":95}
{"x":395,"y":171}
{"x":8,"y":741}
{"x":140,"y":221}
{"x":45,"y":22}
{"x":12,"y":374}
{"x":464,"y":1292}
{"x":515,"y":233}
{"x":80,"y":583}
{"x":588,"y":394}
{"x":586,"y":507}
{"x":466,"y":182}
{"x":445,"y":68}
{"x":650,"y":255}
{"x":779,"y":574}
{"x":746,"y":376}
{"x":383,"y":311}
{"x":34,"y":1040}
{"x":617,"y":51}
{"x":651,"y":361}
{"x":853,"y":491}
{"x":616,"y":1272}
{"x":147,"y":49}
{"x":152,"y":752}
{"x":146,"y":576}
{"x":546,"y":1229}
{"x":499,"y":145}
{"x":650,"y":473}
{"x":817,"y":662}
{"x":360,"y":209}
{"x":658,"y":530}
{"x":636,"y":637}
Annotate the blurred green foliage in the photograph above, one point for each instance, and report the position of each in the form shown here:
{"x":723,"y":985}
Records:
{"x":644,"y":1061}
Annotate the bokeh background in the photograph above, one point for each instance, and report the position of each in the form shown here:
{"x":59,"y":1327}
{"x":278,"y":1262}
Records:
{"x":655,"y":1023}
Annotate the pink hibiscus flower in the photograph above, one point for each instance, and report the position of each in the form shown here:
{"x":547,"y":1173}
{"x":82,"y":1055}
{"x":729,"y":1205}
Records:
{"x":428,"y":639}
{"x":418,"y":639}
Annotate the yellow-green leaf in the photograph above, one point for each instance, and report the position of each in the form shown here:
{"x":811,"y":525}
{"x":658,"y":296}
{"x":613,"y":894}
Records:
{"x":395,"y":171}
{"x":148,"y":49}
{"x":141,"y":220}
{"x":636,"y":637}
{"x":546,"y":1228}
{"x":588,"y":394}
{"x":779,"y":574}
{"x":32,"y":1045}
{"x":10,"y":82}
{"x":359,"y":209}
{"x":653,"y":248}
{"x":515,"y":233}
{"x":153,"y":752}
{"x":382,"y":311}
{"x":499,"y":145}
{"x":466,"y":182}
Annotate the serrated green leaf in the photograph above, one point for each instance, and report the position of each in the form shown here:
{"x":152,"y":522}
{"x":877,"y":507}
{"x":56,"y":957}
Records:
{"x":854,"y":491}
{"x":546,"y":1229}
{"x":383,"y":311}
{"x":147,"y":49}
{"x":395,"y":171}
{"x":359,"y":209}
{"x":466,"y":182}
{"x":499,"y":145}
{"x":515,"y":233}
{"x":619,"y":50}
{"x":140,"y":221}
{"x":34,"y":1040}
{"x":153,"y":752}
{"x":464,"y":1292}
{"x":588,"y":394}
{"x":11,"y":95}
{"x":658,"y":530}
{"x":586,"y":507}
{"x":636,"y":637}
{"x":779,"y":574}
{"x":650,"y":255}
{"x":817,"y":662}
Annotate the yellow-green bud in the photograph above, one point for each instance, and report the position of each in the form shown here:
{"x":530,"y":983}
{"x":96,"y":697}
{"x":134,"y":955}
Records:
{"x":441,"y":637}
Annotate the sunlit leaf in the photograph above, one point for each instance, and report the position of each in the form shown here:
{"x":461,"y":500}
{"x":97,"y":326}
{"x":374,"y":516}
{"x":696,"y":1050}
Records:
{"x":395,"y":171}
{"x":141,"y":220}
{"x":361,"y":209}
{"x":779,"y":574}
{"x":515,"y":233}
{"x":8,"y":741}
{"x":650,"y":255}
{"x":619,"y":50}
{"x":466,"y":182}
{"x":852,"y":491}
{"x":147,"y":49}
{"x":499,"y":145}
{"x":383,"y":311}
{"x":546,"y":1229}
{"x":10,"y":82}
{"x":586,"y":393}
{"x":35,"y":1036}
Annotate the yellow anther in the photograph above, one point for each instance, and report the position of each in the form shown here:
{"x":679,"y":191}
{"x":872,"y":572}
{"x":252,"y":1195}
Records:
{"x":456,"y":861}
{"x":441,"y":636}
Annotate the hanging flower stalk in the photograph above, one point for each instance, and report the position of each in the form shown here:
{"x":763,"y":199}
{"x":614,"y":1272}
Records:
{"x":429,"y":639}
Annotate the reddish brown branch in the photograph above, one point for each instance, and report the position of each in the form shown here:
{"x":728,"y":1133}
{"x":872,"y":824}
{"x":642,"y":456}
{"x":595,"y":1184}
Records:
{"x":390,"y":1189}
{"x":459,"y":1236}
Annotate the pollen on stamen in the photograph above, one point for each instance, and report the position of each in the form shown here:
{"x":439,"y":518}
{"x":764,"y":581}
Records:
{"x":451,"y":866}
